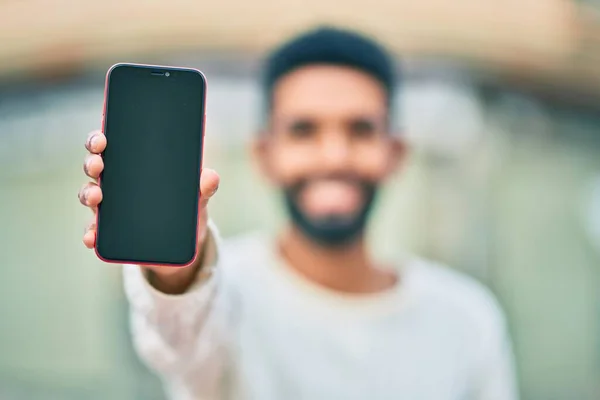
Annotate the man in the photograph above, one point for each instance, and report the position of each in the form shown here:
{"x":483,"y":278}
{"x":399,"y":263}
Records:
{"x":309,"y":314}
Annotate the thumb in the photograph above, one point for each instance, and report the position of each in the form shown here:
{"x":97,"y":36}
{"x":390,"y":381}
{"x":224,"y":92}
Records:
{"x":209,"y":183}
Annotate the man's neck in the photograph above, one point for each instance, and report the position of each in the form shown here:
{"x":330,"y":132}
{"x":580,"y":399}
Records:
{"x":345,"y":269}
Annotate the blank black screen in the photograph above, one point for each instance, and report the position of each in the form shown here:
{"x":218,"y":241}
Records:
{"x":150,"y":184}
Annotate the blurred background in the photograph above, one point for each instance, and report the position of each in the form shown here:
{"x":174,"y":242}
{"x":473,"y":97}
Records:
{"x":500,"y":103}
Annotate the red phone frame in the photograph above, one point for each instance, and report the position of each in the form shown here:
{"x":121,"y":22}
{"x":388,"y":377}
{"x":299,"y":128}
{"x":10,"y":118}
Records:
{"x":160,"y":67}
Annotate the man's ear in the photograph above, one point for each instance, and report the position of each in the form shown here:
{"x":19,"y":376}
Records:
{"x":260,"y":149}
{"x":398,"y":153}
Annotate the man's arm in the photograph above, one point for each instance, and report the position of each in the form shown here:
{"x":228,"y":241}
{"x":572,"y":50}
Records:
{"x":179,"y":316}
{"x":180,"y":327}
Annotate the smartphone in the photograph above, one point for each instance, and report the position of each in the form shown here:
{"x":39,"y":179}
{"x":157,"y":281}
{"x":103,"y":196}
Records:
{"x":153,"y":120}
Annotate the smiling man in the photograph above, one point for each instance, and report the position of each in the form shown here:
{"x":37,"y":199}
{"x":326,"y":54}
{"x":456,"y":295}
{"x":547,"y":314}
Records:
{"x":309,"y":314}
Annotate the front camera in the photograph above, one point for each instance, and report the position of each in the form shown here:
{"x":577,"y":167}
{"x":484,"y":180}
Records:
{"x":167,"y":74}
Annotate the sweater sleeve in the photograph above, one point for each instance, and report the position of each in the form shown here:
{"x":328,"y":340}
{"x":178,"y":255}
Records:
{"x":183,"y":338}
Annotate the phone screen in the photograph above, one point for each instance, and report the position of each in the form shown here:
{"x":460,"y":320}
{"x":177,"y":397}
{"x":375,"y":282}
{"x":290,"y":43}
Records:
{"x":154,"y":126}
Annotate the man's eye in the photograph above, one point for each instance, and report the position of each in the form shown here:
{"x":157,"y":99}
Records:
{"x":302,"y":129}
{"x":362,"y":128}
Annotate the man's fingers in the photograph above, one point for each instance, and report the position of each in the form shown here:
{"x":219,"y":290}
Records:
{"x":95,"y":142}
{"x":90,"y":195}
{"x":93,"y":166}
{"x":89,"y":236}
{"x":209,"y":183}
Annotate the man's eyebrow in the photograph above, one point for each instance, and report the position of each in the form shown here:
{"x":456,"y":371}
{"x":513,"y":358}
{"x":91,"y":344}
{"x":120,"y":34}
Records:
{"x":295,"y":119}
{"x":374,"y":119}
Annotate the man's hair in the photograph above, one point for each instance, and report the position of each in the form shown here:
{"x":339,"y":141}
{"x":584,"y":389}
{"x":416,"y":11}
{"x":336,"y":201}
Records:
{"x":329,"y":46}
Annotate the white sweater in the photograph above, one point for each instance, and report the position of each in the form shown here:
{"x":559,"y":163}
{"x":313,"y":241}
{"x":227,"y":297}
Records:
{"x":257,"y":330}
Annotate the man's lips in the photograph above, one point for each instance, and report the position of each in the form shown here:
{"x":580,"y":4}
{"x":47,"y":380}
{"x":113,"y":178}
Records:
{"x":330,"y":197}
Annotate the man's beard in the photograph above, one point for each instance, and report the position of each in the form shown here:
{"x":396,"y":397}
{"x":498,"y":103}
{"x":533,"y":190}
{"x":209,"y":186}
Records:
{"x":333,"y":230}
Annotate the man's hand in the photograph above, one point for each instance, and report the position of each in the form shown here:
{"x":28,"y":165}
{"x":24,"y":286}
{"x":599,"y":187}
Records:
{"x":170,"y":280}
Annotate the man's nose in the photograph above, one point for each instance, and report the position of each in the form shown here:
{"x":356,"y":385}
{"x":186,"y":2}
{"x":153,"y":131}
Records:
{"x":335,"y":151}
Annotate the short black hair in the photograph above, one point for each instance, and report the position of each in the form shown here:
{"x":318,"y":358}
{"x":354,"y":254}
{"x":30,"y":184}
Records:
{"x":333,"y":46}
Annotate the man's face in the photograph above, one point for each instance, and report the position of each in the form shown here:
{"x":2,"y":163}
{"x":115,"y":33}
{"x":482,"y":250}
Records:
{"x":328,"y":148}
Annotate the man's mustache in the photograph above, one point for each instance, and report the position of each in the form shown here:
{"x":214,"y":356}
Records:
{"x":348,"y":178}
